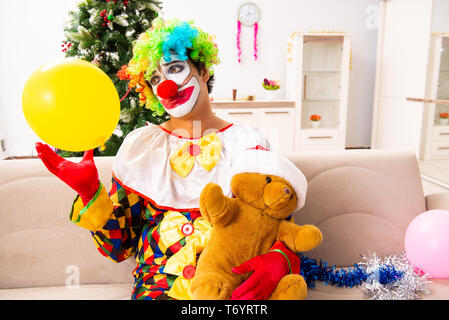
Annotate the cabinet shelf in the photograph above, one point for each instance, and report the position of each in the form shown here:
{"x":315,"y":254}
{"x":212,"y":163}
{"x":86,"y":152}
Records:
{"x":322,"y":71}
{"x":321,"y":100}
{"x":223,"y":104}
{"x":320,"y":128}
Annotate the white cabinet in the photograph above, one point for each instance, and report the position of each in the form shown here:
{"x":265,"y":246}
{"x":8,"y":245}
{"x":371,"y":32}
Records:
{"x":318,"y":80}
{"x":277,"y":124}
{"x":435,"y":138}
{"x":319,"y":139}
{"x":246,"y":116}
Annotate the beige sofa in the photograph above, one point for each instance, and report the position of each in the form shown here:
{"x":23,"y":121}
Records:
{"x":362,"y":200}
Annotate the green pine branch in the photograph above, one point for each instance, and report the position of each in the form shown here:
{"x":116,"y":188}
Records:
{"x":108,"y":44}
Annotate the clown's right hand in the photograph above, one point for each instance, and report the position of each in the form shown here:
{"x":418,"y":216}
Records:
{"x":81,"y":177}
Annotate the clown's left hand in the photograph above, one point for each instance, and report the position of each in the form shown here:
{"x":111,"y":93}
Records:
{"x":268,"y":270}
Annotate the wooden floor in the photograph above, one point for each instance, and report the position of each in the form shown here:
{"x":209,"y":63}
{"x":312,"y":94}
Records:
{"x":435,"y":174}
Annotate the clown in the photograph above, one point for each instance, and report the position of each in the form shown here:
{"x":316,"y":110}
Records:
{"x":152,"y":209}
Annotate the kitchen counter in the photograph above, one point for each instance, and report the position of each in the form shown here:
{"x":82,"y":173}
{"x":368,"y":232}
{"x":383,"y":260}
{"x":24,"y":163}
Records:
{"x":223,"y":104}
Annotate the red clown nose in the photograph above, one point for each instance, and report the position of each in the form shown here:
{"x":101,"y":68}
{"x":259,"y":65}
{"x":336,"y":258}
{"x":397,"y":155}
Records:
{"x":167,"y":89}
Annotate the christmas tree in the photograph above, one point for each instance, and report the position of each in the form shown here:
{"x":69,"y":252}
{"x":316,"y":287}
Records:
{"x":102,"y":32}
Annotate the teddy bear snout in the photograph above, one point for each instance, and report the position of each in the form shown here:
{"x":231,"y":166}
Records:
{"x":277,"y":195}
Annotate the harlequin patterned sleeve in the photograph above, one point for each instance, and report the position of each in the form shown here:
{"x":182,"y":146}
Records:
{"x":115,"y":220}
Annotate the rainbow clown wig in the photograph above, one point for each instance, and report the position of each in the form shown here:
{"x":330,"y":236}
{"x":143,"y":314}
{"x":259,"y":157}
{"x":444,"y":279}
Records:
{"x":164,"y":39}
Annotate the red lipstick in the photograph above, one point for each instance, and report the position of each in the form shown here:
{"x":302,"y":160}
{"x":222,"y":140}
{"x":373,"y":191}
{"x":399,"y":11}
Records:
{"x":178,"y":99}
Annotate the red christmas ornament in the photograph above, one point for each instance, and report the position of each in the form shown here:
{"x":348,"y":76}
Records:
{"x":106,"y":17}
{"x":66,"y":46}
{"x":167,"y":89}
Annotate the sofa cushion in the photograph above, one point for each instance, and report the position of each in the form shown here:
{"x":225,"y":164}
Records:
{"x":83,"y":292}
{"x":40,"y":247}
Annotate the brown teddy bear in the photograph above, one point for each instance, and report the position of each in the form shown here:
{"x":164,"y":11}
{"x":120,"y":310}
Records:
{"x":248,"y":224}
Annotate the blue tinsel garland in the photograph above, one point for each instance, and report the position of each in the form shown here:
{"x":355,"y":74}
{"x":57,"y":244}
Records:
{"x":313,"y":271}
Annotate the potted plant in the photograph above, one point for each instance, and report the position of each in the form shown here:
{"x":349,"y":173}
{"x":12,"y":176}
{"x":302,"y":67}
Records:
{"x":444,"y":118}
{"x":315,"y":120}
{"x":270,"y":87}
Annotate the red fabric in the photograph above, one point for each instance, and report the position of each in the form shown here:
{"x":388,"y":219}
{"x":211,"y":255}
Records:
{"x":259,"y":147}
{"x":81,"y":177}
{"x":268,"y":269}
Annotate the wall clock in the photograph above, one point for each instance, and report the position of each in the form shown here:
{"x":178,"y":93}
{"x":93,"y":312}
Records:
{"x":248,"y":15}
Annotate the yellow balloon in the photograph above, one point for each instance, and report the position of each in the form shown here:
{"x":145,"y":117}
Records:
{"x":71,"y":104}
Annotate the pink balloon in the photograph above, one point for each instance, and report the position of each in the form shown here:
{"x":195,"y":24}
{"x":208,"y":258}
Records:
{"x":427,"y":243}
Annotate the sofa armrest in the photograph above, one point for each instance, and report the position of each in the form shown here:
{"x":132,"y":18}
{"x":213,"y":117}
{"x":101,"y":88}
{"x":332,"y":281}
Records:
{"x":437,"y":201}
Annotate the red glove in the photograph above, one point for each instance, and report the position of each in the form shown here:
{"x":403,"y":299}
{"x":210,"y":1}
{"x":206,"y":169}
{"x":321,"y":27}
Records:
{"x":81,"y":177}
{"x":268,"y":269}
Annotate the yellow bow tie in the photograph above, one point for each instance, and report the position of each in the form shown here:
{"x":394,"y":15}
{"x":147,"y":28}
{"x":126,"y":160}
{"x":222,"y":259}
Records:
{"x":207,"y":152}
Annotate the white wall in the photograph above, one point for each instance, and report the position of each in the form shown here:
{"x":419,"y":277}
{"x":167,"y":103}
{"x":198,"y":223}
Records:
{"x":440,"y":16}
{"x":31,"y":32}
{"x":30,"y":35}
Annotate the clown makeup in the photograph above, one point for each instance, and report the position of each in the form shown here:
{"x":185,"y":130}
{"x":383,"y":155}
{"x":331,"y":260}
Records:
{"x":181,"y":102}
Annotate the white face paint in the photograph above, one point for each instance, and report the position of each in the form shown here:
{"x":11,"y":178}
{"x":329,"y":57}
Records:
{"x":188,"y":86}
